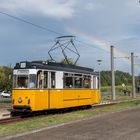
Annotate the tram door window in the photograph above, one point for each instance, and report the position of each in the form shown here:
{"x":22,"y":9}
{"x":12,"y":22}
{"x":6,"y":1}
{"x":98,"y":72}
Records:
{"x":40,"y":77}
{"x":86,"y":81}
{"x":45,"y":79}
{"x":53,"y":80}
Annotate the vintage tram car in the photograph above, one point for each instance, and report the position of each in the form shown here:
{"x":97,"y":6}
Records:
{"x":42,"y":85}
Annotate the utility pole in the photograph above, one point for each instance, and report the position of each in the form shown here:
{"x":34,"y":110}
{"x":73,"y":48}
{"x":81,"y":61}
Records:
{"x":133,"y":76}
{"x":99,"y":63}
{"x":112,"y":74}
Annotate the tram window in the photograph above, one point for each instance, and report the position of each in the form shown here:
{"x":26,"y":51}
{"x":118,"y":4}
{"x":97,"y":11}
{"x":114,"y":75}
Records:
{"x":52,"y":79}
{"x":78,"y":75}
{"x":86,"y":82}
{"x":40,"y":78}
{"x":14,"y":81}
{"x":32,"y":81}
{"x":22,"y":81}
{"x":78,"y":82}
{"x":45,"y":79}
{"x":68,"y":82}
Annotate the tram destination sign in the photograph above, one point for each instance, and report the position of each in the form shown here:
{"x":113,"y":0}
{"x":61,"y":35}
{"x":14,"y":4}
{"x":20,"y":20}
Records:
{"x":23,"y":72}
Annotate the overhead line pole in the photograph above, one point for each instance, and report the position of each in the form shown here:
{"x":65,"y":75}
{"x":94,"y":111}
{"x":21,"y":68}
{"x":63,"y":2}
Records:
{"x":133,"y":76}
{"x":99,"y":63}
{"x":112,"y":74}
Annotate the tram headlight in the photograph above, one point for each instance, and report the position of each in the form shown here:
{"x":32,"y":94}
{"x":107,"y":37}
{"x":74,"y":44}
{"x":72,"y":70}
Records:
{"x":20,"y":100}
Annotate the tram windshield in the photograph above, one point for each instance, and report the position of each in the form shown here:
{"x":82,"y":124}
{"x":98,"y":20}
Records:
{"x":24,"y":81}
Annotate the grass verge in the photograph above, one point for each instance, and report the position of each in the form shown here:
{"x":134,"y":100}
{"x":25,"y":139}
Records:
{"x":36,"y":123}
{"x":5,"y":105}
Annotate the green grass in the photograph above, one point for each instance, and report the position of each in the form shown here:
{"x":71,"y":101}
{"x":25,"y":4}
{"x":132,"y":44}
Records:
{"x":51,"y":120}
{"x":117,"y":88}
{"x":3,"y":105}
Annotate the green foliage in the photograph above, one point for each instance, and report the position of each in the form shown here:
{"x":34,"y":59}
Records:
{"x":5,"y":78}
{"x":120,"y":77}
{"x":105,"y":78}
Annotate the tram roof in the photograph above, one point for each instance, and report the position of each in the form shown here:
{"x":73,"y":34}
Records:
{"x":54,"y":66}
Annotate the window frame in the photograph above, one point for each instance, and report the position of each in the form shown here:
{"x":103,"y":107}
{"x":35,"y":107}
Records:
{"x":73,"y":76}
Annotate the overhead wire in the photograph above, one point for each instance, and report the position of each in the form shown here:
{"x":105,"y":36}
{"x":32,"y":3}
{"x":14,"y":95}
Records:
{"x":43,"y":28}
{"x":90,"y":45}
{"x":28,"y":22}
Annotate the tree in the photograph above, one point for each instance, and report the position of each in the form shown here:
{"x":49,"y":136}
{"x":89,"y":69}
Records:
{"x":5,"y":78}
{"x":120,"y":77}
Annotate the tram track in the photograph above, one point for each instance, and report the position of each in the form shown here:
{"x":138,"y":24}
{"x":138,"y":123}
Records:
{"x":10,"y":120}
{"x":39,"y":115}
{"x":18,"y":119}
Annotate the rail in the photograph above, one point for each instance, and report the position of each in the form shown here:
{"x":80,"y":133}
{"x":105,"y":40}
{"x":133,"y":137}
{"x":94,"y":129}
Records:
{"x":30,"y":117}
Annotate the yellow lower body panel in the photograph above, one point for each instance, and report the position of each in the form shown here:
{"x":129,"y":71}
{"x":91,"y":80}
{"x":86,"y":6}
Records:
{"x":55,"y":98}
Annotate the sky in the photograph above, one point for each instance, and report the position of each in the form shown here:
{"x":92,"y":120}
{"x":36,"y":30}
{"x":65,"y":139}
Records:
{"x":96,"y":25}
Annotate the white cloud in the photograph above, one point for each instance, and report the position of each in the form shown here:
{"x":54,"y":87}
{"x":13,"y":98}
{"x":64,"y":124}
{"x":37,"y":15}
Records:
{"x":51,"y":8}
{"x":109,"y":19}
{"x":115,"y":21}
{"x":90,"y":6}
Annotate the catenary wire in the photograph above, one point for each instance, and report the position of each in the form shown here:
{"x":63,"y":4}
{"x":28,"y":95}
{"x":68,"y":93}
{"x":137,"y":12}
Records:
{"x":28,"y":22}
{"x":44,"y":28}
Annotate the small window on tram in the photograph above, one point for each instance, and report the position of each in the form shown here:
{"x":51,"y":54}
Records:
{"x":40,"y":77}
{"x":45,"y":79}
{"x":14,"y":81}
{"x":22,"y":81}
{"x":53,"y":80}
{"x":32,"y":81}
{"x":78,"y":80}
{"x":86,"y":81}
{"x":68,"y":80}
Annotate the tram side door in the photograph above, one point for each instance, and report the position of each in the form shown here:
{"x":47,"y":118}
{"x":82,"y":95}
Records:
{"x":51,"y":91}
{"x":41,"y":98}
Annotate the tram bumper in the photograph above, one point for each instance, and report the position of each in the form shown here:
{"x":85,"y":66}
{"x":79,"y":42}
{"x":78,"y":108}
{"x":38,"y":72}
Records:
{"x":22,"y":109}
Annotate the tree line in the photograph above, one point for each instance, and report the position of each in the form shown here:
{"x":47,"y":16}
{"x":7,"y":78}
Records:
{"x":120,"y":78}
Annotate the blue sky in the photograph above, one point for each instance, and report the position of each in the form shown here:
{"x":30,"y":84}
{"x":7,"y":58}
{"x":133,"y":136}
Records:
{"x":98,"y":23}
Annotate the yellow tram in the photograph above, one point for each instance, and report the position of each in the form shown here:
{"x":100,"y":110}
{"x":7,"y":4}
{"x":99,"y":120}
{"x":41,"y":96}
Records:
{"x":40,"y":85}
